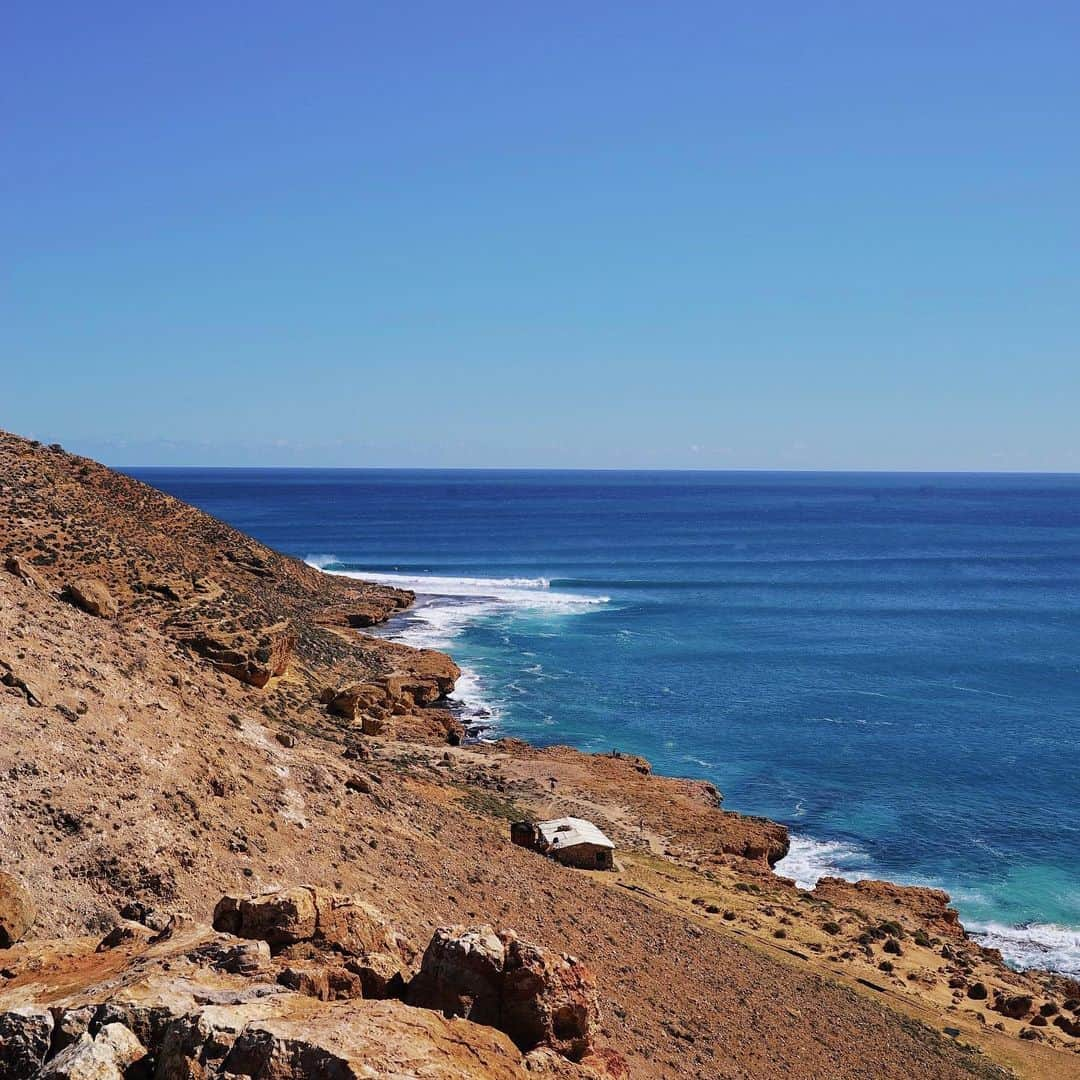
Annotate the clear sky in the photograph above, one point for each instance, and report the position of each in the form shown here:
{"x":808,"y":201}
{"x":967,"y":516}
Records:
{"x":689,"y":234}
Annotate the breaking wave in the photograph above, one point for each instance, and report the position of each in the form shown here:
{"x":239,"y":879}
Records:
{"x":1038,"y":945}
{"x":809,"y":860}
{"x":447,"y":606}
{"x":521,"y":591}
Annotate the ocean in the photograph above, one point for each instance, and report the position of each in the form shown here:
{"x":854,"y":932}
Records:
{"x":888,"y":664}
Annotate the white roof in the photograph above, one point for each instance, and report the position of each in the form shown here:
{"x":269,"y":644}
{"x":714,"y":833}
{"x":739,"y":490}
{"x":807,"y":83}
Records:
{"x":567,"y":832}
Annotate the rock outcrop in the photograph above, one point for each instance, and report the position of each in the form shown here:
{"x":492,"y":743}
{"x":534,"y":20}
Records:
{"x":538,"y":998}
{"x":25,"y":1039}
{"x":305,"y":924}
{"x":105,"y":1056}
{"x":20,"y":567}
{"x":17,"y":910}
{"x":92,"y":596}
{"x":914,"y":906}
{"x":253,"y":655}
{"x":360,"y":612}
{"x":354,"y":1040}
{"x":193,"y":1004}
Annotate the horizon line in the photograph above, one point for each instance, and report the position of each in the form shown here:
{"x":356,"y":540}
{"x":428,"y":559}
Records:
{"x":607,"y":469}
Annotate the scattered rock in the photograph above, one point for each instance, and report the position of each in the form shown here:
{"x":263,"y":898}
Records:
{"x":8,"y":677}
{"x":25,"y":1038}
{"x":1016,"y":1006}
{"x":17,"y":910}
{"x":105,"y":1056}
{"x":929,"y":908}
{"x":92,"y":596}
{"x":13,"y":564}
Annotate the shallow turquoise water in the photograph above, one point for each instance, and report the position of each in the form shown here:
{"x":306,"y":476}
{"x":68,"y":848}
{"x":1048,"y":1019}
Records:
{"x":889,"y":664}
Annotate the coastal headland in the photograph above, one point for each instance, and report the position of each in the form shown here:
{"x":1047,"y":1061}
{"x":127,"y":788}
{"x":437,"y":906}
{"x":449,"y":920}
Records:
{"x":240,"y":836}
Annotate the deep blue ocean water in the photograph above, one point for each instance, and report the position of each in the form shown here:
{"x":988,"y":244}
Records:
{"x":889,"y":664}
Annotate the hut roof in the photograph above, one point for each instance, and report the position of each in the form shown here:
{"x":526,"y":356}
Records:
{"x":570,"y":831}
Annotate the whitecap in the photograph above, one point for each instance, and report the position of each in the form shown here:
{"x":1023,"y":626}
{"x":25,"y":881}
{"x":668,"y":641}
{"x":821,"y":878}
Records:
{"x":1038,"y":945}
{"x":809,"y":860}
{"x":518,"y":591}
{"x":448,"y":605}
{"x":472,"y":703}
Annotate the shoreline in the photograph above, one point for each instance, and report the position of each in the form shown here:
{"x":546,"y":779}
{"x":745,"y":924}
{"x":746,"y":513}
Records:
{"x":1023,"y":945}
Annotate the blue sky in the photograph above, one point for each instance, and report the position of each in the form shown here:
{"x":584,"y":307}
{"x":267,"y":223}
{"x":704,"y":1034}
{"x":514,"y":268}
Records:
{"x":608,"y":234}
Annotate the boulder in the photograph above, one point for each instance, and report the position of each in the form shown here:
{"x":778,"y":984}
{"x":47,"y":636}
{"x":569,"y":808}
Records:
{"x":602,"y":1064}
{"x":69,"y":1025}
{"x":92,"y":596}
{"x":538,"y":998}
{"x":305,"y":922}
{"x":125,"y":933}
{"x":548,"y":1000}
{"x":25,"y":1038}
{"x":105,"y":1056}
{"x":17,"y":910}
{"x":461,"y":974}
{"x":248,"y":958}
{"x":1070,"y":1027}
{"x":371,"y":1039}
{"x":353,"y":927}
{"x":13,"y":564}
{"x":1016,"y":1006}
{"x":194,"y":1046}
{"x":327,"y":982}
{"x":278,"y":918}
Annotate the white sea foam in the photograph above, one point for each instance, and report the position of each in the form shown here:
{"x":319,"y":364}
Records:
{"x":809,"y":860}
{"x":517,"y":591}
{"x":448,"y":605}
{"x":1040,"y":945}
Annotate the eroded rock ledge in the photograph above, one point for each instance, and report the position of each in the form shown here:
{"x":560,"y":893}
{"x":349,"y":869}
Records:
{"x":299,"y":984}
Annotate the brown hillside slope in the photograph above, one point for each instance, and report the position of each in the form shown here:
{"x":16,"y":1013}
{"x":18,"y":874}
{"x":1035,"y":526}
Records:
{"x":136,"y":775}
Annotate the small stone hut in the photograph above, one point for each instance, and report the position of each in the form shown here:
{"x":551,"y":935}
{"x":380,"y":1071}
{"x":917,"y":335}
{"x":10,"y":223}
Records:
{"x":571,"y":841}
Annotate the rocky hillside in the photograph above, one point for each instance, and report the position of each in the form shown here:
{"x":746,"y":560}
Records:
{"x":238,"y":838}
